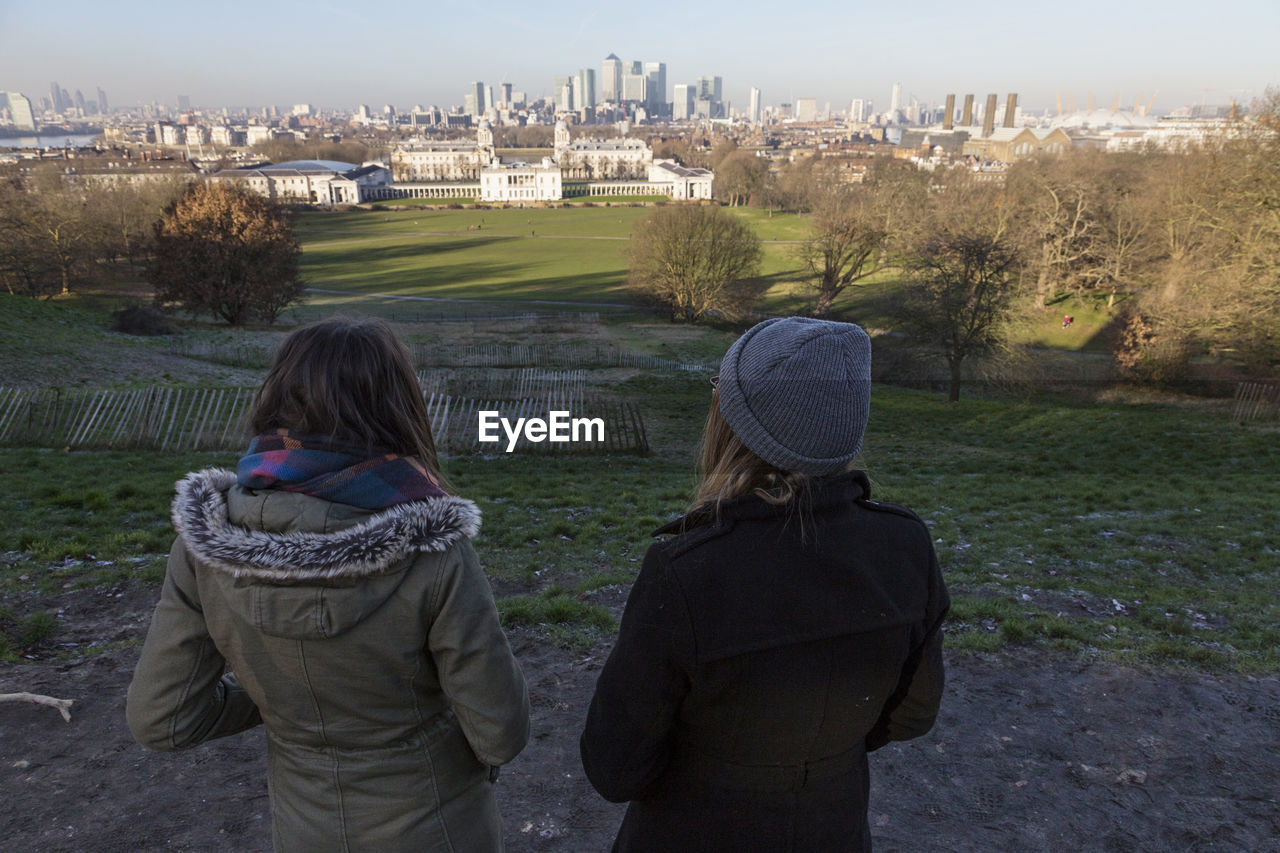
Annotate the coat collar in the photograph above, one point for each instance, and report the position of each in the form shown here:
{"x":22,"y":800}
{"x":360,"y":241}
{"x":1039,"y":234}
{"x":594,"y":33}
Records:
{"x":836,"y":489}
{"x":368,"y":548}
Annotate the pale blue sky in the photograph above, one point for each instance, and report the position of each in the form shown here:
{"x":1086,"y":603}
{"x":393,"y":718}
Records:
{"x":333,"y":54}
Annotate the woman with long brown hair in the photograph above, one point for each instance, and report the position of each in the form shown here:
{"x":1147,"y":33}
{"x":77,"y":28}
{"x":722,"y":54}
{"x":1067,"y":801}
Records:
{"x":328,"y":590}
{"x":791,"y":625}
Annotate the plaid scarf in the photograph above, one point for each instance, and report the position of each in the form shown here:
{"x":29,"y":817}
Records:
{"x":344,"y":474}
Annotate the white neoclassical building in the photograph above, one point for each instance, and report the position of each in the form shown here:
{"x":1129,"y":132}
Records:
{"x":592,"y":159}
{"x":319,"y":182}
{"x":430,"y":161}
{"x":519,"y":182}
{"x":681,"y":182}
{"x":584,"y":167}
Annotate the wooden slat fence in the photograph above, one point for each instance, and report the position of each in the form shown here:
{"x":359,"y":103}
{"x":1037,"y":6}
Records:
{"x":469,"y":315}
{"x":1255,"y":401}
{"x":161,"y":418}
{"x":549,"y":355}
{"x":145,"y":418}
{"x":565,"y":355}
{"x":506,"y":384}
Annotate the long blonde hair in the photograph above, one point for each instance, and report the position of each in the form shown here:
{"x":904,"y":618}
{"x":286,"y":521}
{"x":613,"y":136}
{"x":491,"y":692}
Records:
{"x":727,"y":469}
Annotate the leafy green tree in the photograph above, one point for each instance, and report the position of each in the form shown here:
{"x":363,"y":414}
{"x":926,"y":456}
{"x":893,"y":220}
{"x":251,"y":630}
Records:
{"x":222,"y":250}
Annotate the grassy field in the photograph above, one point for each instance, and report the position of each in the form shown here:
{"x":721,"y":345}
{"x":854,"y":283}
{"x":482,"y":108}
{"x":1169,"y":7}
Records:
{"x":1130,"y":532}
{"x":555,"y":259}
{"x":421,"y":202}
{"x":1134,"y":531}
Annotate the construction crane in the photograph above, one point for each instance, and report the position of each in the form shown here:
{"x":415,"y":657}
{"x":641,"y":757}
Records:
{"x":1147,"y":108}
{"x":1115,"y":105}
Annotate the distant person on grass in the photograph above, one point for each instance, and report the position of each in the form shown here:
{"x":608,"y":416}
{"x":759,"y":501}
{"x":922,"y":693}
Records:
{"x":335,"y":575}
{"x":791,"y":626}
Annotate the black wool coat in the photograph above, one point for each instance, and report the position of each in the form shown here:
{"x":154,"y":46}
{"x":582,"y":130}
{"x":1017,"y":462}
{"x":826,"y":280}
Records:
{"x":762,"y":654}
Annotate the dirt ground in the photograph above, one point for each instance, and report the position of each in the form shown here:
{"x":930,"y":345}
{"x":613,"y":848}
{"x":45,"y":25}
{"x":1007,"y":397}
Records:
{"x":1032,"y":752}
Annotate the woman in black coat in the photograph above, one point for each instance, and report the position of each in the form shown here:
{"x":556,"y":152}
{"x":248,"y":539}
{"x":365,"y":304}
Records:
{"x":791,"y":626}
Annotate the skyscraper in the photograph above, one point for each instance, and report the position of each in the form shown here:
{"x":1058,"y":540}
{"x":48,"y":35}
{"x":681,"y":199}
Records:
{"x":587,"y":89}
{"x":858,"y":110}
{"x":711,"y":90}
{"x":20,"y":111}
{"x":895,"y":102}
{"x":611,"y":79}
{"x":753,"y":108}
{"x":475,"y":99}
{"x":656,"y":76}
{"x":634,"y":88}
{"x":102,"y":101}
{"x":55,"y":95}
{"x":682,"y":106}
{"x":562,"y":92}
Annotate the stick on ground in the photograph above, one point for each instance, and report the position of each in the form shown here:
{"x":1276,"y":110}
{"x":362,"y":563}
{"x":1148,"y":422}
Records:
{"x":61,"y":704}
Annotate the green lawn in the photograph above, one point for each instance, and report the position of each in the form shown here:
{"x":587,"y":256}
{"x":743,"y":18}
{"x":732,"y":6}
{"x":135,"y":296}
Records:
{"x":1132,"y":532}
{"x":1142,"y":533}
{"x":536,"y":255}
{"x":421,"y":202}
{"x":534,"y":258}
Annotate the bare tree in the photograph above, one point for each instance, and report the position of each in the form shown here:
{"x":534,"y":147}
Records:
{"x":1123,"y":245}
{"x":1057,"y":221}
{"x":694,"y":260}
{"x":960,"y":297}
{"x":738,"y":177}
{"x":286,"y":149}
{"x":48,"y":240}
{"x":847,"y":243}
{"x":223,"y":250}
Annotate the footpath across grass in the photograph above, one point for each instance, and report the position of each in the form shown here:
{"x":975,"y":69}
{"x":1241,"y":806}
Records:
{"x":1140,"y":533}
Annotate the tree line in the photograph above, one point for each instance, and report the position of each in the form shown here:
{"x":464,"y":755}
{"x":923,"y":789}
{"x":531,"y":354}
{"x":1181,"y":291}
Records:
{"x":208,"y":248}
{"x":58,"y":234}
{"x":1181,"y":247}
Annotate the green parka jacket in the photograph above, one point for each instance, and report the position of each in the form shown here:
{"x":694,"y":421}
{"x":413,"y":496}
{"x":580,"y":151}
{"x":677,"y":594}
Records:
{"x":366,"y":642}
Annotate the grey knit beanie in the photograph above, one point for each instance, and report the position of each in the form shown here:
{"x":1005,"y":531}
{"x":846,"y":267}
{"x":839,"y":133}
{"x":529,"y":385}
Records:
{"x":797,"y":392}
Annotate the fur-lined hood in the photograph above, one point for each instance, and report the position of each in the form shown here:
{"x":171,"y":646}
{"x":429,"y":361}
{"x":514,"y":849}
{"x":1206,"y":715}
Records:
{"x":200,"y":514}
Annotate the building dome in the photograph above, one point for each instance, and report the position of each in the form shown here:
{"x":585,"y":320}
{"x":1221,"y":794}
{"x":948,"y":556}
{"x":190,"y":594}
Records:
{"x":311,"y":166}
{"x":1103,"y":119}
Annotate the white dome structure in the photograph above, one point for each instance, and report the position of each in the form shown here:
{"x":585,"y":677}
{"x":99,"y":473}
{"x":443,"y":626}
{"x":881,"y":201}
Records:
{"x":1103,"y":119}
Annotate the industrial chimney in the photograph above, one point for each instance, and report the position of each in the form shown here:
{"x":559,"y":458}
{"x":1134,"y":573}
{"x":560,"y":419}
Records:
{"x":989,"y":116}
{"x":1009,"y":107}
{"x":966,"y":119}
{"x":949,"y":113}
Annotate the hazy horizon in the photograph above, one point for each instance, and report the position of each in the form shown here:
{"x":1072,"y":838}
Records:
{"x":294,"y":53}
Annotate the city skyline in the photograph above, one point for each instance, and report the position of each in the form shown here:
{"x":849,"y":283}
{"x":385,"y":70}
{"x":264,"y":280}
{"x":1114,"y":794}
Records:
{"x":831,"y":54}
